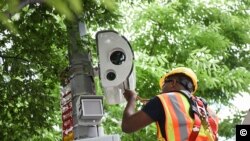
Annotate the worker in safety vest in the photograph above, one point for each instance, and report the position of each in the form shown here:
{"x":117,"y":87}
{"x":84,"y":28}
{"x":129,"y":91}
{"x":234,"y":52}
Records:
{"x":179,"y":115}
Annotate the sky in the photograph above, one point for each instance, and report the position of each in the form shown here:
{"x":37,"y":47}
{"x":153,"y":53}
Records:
{"x":240,"y":102}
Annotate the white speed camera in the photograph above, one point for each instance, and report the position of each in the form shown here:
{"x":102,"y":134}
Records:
{"x":116,"y":69}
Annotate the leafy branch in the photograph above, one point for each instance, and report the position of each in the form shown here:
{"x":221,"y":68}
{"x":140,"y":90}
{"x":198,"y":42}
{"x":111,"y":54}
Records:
{"x":26,"y":2}
{"x":13,"y":57}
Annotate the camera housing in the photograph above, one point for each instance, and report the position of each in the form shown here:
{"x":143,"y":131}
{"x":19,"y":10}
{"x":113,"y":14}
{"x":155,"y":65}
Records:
{"x":116,"y":69}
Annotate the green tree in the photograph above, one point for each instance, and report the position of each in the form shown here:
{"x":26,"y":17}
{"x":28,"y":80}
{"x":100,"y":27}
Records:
{"x":33,"y":53}
{"x":212,"y":39}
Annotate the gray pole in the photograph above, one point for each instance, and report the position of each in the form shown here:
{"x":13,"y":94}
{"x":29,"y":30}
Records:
{"x":82,"y":81}
{"x":82,"y":87}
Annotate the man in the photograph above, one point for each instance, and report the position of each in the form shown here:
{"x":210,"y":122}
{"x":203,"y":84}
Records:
{"x":179,"y":115}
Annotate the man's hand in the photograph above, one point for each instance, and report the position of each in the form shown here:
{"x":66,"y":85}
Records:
{"x":132,"y":121}
{"x":130,"y":95}
{"x":129,"y":110}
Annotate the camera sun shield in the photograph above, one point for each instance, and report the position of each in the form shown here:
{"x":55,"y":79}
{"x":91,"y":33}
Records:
{"x":115,"y":63}
{"x":115,"y":58}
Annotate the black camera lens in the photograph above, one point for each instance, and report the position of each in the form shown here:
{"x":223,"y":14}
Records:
{"x":117,"y":57}
{"x":111,"y":76}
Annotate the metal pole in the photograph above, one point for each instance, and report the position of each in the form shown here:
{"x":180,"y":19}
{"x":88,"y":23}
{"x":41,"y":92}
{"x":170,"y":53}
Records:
{"x":87,"y":108}
{"x":82,"y":82}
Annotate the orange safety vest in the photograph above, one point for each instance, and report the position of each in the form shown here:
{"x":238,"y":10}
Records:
{"x":179,"y":124}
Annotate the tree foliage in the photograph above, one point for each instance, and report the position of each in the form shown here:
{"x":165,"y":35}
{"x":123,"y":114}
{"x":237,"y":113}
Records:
{"x":212,"y":38}
{"x":29,"y":75}
{"x":33,"y":53}
{"x":211,"y":41}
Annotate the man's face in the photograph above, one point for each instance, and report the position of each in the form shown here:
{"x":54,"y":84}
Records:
{"x":170,"y":84}
{"x":177,"y":82}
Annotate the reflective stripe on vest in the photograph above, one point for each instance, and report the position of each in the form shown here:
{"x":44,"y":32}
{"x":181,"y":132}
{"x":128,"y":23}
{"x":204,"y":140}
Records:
{"x":178,"y":123}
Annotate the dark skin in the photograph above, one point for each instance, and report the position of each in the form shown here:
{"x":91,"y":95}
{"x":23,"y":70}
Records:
{"x":133,"y":121}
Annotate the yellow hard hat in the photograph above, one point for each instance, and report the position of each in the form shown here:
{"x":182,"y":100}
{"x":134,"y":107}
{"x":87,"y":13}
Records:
{"x":182,"y":70}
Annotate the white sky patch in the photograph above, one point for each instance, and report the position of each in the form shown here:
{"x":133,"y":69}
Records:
{"x":241,"y":102}
{"x":15,"y":17}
